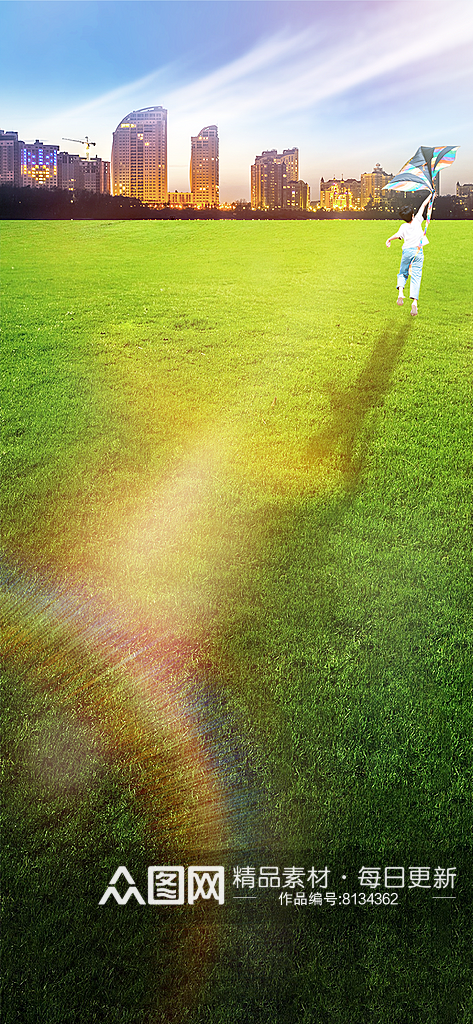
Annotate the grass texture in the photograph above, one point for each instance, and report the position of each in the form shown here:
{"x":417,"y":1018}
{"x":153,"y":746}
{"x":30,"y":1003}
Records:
{"x":237,"y":614}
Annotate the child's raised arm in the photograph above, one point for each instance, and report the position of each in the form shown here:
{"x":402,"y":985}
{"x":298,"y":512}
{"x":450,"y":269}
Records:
{"x":420,"y":213}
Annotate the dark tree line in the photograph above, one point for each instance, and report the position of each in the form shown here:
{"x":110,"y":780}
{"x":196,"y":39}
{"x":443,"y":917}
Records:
{"x":55,"y":204}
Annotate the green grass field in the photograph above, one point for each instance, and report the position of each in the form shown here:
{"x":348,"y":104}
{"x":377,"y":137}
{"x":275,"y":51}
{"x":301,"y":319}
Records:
{"x":237,"y":611}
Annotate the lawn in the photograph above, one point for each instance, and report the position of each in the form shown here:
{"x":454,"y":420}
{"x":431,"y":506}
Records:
{"x":237,"y":612}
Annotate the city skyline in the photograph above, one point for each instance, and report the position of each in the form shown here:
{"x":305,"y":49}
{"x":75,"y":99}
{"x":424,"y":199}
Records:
{"x":349,"y":83}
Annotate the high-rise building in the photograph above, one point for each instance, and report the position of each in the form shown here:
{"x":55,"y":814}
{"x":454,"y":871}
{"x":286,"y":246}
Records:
{"x":270,"y":174}
{"x":267,"y":178}
{"x":290,"y":159}
{"x":38,"y":164}
{"x":95,"y":175}
{"x":139,"y":156}
{"x":9,"y":158}
{"x":372,"y":185}
{"x":204,"y":167}
{"x":77,"y":174}
{"x":296,"y":195}
{"x":68,"y":171}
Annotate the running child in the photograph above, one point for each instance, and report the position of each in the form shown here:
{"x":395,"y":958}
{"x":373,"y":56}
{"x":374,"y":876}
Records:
{"x":413,"y":240}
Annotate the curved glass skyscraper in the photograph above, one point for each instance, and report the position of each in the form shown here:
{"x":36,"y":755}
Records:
{"x":139,"y":156}
{"x":204,"y":168}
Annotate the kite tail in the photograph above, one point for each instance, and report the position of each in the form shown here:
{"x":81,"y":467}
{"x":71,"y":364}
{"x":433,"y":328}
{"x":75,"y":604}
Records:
{"x":427,"y":221}
{"x":429,"y":213}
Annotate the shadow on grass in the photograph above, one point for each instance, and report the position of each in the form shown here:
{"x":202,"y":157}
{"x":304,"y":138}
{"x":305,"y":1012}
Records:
{"x":296,"y":612}
{"x":352,"y":406}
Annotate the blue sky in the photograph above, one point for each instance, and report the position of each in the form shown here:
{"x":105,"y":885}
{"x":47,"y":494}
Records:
{"x":349,"y":82}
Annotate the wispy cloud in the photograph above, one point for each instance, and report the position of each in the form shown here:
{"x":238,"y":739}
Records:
{"x":298,"y":71}
{"x":121,"y":94}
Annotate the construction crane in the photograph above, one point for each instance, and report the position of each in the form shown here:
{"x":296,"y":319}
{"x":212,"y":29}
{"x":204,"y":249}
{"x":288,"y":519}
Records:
{"x":84,"y":142}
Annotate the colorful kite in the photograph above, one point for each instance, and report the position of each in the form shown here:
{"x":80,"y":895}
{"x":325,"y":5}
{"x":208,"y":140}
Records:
{"x":420,"y":171}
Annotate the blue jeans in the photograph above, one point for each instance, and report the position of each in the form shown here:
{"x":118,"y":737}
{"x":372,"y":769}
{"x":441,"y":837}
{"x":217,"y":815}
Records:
{"x":414,"y":259}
